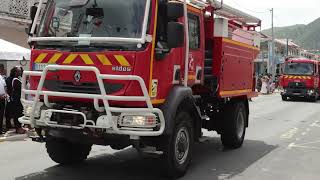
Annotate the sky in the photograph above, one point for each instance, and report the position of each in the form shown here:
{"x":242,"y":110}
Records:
{"x":286,"y":12}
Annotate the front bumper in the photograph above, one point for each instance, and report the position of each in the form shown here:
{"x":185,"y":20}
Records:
{"x":39,"y":114}
{"x":111,"y":126}
{"x":292,"y":92}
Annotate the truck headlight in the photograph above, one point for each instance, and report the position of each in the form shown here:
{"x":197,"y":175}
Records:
{"x":27,"y":110}
{"x":138,"y":121}
{"x":310,"y":91}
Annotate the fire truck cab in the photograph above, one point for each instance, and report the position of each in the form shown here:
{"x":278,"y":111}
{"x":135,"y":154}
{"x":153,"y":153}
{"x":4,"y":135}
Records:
{"x":146,"y":73}
{"x":300,"y":79}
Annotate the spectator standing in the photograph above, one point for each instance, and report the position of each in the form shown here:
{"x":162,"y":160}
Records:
{"x":9,"y":107}
{"x":259,"y":83}
{"x":3,"y":96}
{"x":264,"y":87}
{"x":16,"y":102}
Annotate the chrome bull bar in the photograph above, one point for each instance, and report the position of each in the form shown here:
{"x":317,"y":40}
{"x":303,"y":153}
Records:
{"x":111,"y":122}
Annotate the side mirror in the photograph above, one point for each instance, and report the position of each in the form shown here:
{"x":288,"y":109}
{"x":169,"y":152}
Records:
{"x":175,"y":34}
{"x":175,"y":10}
{"x":33,"y":11}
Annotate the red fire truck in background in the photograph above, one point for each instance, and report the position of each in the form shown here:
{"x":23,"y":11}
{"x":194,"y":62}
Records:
{"x":300,"y":78}
{"x":146,"y":73}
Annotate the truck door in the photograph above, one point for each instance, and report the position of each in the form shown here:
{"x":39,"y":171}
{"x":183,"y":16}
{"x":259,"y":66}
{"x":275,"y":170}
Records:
{"x":196,"y":46}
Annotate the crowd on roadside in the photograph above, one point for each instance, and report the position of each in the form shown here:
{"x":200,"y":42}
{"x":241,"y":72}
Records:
{"x":265,"y":84}
{"x":10,"y":103}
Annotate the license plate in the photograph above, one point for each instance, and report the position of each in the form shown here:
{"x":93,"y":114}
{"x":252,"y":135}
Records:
{"x":39,"y":66}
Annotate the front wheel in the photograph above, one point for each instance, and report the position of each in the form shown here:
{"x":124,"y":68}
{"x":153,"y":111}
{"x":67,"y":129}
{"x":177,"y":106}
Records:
{"x":284,"y":98}
{"x":235,"y":119}
{"x":64,"y":152}
{"x":178,"y":152}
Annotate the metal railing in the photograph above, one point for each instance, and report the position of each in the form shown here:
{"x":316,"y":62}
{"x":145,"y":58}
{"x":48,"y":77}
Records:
{"x":104,"y":97}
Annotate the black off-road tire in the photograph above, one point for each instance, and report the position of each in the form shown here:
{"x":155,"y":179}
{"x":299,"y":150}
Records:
{"x":284,"y":98}
{"x":234,"y":125}
{"x":64,"y":152}
{"x":175,"y":165}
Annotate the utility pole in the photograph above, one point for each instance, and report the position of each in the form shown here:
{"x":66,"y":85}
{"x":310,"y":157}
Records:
{"x":273,"y":63}
{"x":287,"y":48}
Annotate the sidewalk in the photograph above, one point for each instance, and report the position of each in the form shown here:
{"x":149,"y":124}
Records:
{"x":12,"y":136}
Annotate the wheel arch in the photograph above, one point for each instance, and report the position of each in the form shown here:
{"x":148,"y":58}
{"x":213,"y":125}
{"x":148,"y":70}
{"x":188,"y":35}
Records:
{"x":180,"y":98}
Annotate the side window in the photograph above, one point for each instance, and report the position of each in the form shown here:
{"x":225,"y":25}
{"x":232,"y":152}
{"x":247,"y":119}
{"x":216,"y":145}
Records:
{"x":194,"y":31}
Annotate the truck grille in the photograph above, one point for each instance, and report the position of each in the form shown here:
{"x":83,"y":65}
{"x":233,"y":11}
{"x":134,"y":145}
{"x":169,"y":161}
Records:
{"x":297,"y":85}
{"x":88,"y":88}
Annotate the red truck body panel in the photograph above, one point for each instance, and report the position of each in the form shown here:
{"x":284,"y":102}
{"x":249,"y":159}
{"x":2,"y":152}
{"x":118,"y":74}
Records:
{"x":233,"y":65}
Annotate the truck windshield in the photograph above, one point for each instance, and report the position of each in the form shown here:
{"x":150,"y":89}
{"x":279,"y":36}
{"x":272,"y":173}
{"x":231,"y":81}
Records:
{"x":299,"y":69}
{"x":93,"y":18}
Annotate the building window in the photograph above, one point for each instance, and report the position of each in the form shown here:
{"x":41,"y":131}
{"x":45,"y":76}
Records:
{"x":194,"y":31}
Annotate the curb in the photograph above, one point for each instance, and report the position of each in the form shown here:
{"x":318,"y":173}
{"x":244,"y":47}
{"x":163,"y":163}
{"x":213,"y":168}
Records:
{"x":19,"y":137}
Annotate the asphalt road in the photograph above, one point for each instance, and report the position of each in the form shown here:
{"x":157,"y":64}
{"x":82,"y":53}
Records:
{"x":282,"y":142}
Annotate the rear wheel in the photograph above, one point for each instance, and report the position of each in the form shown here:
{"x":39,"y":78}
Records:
{"x":178,"y":152}
{"x":64,"y":152}
{"x":234,"y":125}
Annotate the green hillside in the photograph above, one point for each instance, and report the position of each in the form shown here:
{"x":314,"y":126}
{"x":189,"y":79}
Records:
{"x":307,"y":36}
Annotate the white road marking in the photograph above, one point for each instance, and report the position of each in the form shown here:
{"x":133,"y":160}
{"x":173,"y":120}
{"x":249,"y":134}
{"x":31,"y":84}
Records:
{"x":297,"y":139}
{"x":314,"y":142}
{"x":315,"y":124}
{"x":289,"y":134}
{"x":308,"y":129}
{"x":293,"y":145}
{"x":303,"y":134}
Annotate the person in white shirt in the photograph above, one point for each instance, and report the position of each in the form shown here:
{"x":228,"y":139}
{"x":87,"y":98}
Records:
{"x":3,"y":96}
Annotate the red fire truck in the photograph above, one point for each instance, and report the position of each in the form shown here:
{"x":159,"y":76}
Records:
{"x":300,"y":79}
{"x":146,"y":73}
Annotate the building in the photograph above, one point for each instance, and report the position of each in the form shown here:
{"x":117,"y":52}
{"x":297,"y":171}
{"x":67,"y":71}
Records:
{"x":283,"y":48}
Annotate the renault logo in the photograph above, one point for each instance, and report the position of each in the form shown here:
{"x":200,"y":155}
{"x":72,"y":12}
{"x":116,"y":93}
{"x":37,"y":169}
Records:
{"x":77,"y":76}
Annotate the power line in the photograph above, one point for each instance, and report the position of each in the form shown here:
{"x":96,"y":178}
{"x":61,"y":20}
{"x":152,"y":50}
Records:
{"x":257,"y":12}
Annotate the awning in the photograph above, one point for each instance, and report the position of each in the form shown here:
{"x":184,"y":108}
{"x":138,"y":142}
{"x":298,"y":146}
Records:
{"x":13,"y":52}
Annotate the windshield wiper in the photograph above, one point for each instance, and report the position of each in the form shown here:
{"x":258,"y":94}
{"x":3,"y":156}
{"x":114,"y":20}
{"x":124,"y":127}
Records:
{"x":92,"y":47}
{"x":102,"y":47}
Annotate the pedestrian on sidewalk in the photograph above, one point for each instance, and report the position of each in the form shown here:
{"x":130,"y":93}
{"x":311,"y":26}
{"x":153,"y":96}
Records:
{"x":9,"y":107}
{"x":3,"y":97}
{"x":264,"y":87}
{"x":16,"y":100}
{"x":259,"y":83}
